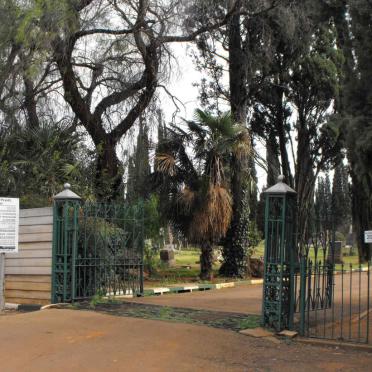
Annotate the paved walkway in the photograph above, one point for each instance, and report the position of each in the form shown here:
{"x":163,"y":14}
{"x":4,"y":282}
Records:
{"x":245,"y":299}
{"x":69,"y":340}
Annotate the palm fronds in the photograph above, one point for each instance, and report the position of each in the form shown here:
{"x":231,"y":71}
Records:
{"x":212,"y":218}
{"x":165,"y":163}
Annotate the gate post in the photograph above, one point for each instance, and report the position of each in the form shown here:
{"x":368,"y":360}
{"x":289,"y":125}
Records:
{"x":280,"y":256}
{"x":65,"y":226}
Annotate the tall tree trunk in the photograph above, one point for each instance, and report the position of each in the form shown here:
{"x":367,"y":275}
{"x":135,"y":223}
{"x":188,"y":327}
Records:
{"x":30,"y":104}
{"x":362,"y":216}
{"x":206,"y":261}
{"x":108,"y":177}
{"x":280,"y":122}
{"x":272,"y":160}
{"x":236,"y":241}
{"x":305,"y":178}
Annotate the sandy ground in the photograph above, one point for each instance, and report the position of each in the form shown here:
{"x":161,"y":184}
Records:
{"x":69,"y":340}
{"x":348,"y":318}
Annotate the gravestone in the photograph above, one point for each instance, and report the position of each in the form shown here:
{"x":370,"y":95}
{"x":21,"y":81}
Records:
{"x":337,"y":252}
{"x":167,"y":257}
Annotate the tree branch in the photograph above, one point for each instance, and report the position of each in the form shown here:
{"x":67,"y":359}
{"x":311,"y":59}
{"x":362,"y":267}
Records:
{"x":201,"y":30}
{"x":117,"y":97}
{"x":83,"y":33}
{"x":134,"y":113}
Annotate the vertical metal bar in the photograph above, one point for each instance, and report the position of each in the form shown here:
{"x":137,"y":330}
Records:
{"x":302,"y":295}
{"x":315,"y":293}
{"x":74,"y":250}
{"x":324,"y":294}
{"x":309,"y":273}
{"x":342,"y":301}
{"x":350,"y":298}
{"x":134,"y":222}
{"x":65,"y":225}
{"x":368,"y":294}
{"x":55,"y":243}
{"x":267,"y":201}
{"x":93,"y":269}
{"x":282,"y":322}
{"x":142,"y":242}
{"x":333,"y":285}
{"x":332,"y":270}
{"x":292,"y":282}
{"x":359,"y":299}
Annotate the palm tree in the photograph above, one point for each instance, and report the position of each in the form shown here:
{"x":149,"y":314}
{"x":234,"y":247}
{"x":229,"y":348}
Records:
{"x":192,"y":168}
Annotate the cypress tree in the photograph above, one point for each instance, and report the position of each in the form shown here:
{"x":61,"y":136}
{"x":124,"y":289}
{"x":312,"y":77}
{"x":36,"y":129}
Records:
{"x":139,"y":166}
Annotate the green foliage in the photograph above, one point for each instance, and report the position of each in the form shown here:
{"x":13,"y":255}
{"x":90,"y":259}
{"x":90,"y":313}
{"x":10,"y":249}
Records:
{"x":340,"y":237}
{"x":341,"y":202}
{"x":254,"y":236}
{"x":139,"y":167}
{"x":152,"y":218}
{"x":249,"y":322}
{"x":36,"y":162}
{"x":96,"y":300}
{"x":99,"y":234}
{"x":100,"y":299}
{"x":323,"y":203}
{"x":43,"y":19}
{"x":150,"y":257}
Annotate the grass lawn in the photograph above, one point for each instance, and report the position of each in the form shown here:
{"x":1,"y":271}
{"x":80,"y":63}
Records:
{"x":187,"y":269}
{"x":346,"y":258}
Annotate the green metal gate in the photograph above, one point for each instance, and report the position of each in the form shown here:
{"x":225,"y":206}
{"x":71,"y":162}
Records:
{"x":308,"y":285}
{"x":332,"y":297}
{"x":97,"y":249}
{"x":314,"y":281}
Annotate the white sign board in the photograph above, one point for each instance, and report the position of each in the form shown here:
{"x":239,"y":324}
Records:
{"x":368,"y":236}
{"x":9,"y":225}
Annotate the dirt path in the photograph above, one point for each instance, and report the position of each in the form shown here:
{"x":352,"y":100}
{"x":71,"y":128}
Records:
{"x":69,"y":340}
{"x":242,"y":299}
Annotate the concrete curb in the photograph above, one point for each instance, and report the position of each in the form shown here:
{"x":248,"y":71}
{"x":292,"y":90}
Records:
{"x":11,"y":306}
{"x":22,"y":307}
{"x":158,"y":291}
{"x":331,"y":343}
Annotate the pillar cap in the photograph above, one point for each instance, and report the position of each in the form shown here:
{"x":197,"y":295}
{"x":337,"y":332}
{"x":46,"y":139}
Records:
{"x":280,"y":188}
{"x":67,"y":194}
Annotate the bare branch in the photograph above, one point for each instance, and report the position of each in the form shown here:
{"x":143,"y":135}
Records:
{"x":83,"y":33}
{"x":117,"y":97}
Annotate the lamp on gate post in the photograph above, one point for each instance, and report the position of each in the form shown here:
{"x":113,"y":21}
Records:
{"x":280,"y":256}
{"x":65,"y":222}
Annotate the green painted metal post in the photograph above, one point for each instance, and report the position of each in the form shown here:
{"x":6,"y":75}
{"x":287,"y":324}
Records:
{"x":282,"y":266}
{"x":142,"y":242}
{"x":54,"y":252}
{"x":64,"y":240}
{"x":66,"y":226}
{"x":278,"y":293}
{"x":75,"y":227}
